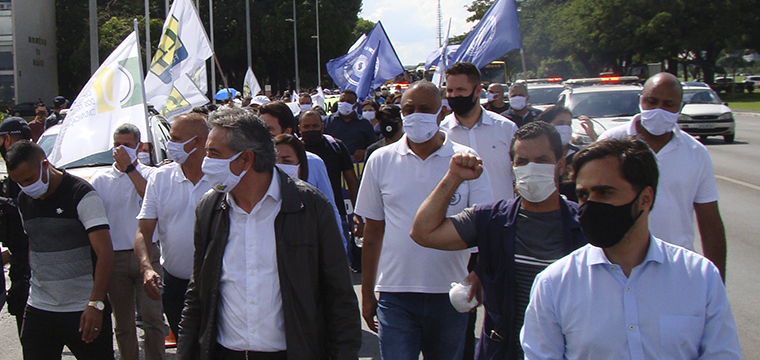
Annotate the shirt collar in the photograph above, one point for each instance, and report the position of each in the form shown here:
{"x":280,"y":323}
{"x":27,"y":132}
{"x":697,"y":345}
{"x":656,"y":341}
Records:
{"x":179,"y":176}
{"x":655,"y":253}
{"x":446,"y":149}
{"x":116,"y":171}
{"x":636,"y":118}
{"x":273,"y":192}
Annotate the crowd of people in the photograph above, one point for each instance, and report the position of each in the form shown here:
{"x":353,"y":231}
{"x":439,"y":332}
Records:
{"x":246,"y":240}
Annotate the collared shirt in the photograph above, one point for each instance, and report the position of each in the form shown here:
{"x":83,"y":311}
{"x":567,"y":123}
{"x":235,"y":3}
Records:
{"x":122,"y":203}
{"x":672,"y":306}
{"x":491,"y":137}
{"x":250,"y":304}
{"x":356,"y":133}
{"x":686,"y":177}
{"x":395,"y":183}
{"x":171,"y":199}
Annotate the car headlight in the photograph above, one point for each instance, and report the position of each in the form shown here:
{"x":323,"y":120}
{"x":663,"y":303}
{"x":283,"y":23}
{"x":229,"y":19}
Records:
{"x":580,"y":140}
{"x":684,"y":117}
{"x":726,"y":116}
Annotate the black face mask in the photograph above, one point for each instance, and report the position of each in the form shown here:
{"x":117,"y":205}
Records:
{"x":461,"y":105}
{"x":389,"y":128}
{"x":604,"y":225}
{"x":311,"y":137}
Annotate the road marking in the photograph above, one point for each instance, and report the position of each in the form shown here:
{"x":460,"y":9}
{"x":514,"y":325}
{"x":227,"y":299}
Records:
{"x":738,"y":182}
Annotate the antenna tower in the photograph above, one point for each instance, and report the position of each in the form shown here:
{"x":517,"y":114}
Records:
{"x":440,"y":25}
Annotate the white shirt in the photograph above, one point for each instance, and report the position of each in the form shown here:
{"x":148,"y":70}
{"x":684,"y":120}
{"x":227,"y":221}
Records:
{"x":491,"y":137}
{"x":250,"y":305}
{"x":672,"y":306}
{"x":686,"y":177}
{"x":395,"y":183}
{"x":171,"y":199}
{"x":122,"y":203}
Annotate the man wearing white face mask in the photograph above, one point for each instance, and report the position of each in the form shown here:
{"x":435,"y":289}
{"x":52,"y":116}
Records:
{"x":122,"y":188}
{"x":687,"y":179}
{"x":269,"y":279}
{"x":516,"y":238}
{"x":519,"y":111}
{"x":495,"y":97}
{"x":171,"y":195}
{"x":356,"y":132}
{"x":487,"y":132}
{"x":413,"y":310}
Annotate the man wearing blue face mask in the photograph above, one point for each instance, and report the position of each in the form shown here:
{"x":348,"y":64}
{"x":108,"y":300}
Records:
{"x":345,"y":124}
{"x":687,"y":179}
{"x":413,"y":309}
{"x":170,"y":198}
{"x":516,"y":238}
{"x":519,"y":111}
{"x":269,"y":279}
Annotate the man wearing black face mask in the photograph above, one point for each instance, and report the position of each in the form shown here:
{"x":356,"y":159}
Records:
{"x":12,"y":232}
{"x":627,"y":294}
{"x":389,"y":118}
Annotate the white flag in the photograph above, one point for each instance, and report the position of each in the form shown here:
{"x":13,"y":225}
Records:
{"x":251,"y":86}
{"x":184,"y":96}
{"x":113,"y":96}
{"x":182,"y":51}
{"x":318,"y":99}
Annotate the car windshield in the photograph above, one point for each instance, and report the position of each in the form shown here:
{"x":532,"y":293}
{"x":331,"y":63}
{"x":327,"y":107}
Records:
{"x":544,"y":96}
{"x":700,"y":97}
{"x":605,"y":103}
{"x":47,"y":142}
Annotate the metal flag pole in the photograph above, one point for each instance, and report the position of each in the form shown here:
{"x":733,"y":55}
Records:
{"x":142,"y":76}
{"x":522,"y":56}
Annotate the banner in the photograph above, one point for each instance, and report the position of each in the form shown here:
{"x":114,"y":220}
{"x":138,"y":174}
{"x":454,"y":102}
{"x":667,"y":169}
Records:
{"x":496,"y":34}
{"x":348,"y":69}
{"x":435,"y":57}
{"x":182,"y":52}
{"x":113,"y":96}
{"x":251,"y":86}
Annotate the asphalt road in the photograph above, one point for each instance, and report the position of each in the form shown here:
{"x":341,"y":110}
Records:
{"x":737,"y":171}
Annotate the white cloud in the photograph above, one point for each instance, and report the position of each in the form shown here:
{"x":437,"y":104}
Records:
{"x":412,"y":25}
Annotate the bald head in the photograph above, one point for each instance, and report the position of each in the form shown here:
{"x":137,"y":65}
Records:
{"x":496,"y":88}
{"x":662,"y":91}
{"x":421,"y":96}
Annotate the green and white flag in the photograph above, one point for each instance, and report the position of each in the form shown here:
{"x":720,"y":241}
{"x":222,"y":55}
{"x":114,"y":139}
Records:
{"x":113,"y":96}
{"x":182,"y":52}
{"x":251,"y":86}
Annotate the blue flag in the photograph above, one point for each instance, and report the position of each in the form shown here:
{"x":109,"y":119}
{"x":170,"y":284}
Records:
{"x":364,"y":87}
{"x":348,"y":69}
{"x":496,"y":34}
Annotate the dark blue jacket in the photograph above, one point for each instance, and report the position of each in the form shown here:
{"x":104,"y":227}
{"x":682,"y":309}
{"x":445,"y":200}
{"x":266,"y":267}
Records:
{"x":496,"y":266}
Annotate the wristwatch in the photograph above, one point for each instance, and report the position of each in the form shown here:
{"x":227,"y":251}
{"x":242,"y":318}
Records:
{"x":97,"y":304}
{"x":129,"y":169}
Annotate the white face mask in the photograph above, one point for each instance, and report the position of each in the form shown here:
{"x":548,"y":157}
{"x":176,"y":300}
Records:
{"x":565,"y":133}
{"x":490,"y":96}
{"x":143,"y":158}
{"x":220,"y":175}
{"x":535,"y":182}
{"x":305,"y":107}
{"x":658,"y":121}
{"x":445,"y":104}
{"x":177,"y":150}
{"x":458,"y":297}
{"x":518,"y":102}
{"x":131,"y":152}
{"x":420,"y":127}
{"x":369,"y":115}
{"x":345,"y":108}
{"x":291,"y":170}
{"x":39,"y":188}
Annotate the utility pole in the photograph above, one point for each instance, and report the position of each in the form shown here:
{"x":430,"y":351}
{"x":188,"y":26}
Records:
{"x":319,"y":62}
{"x":94,"y":62}
{"x":211,"y":32}
{"x":440,"y":25}
{"x":248,"y":30}
{"x":147,"y":34}
{"x":295,"y":46}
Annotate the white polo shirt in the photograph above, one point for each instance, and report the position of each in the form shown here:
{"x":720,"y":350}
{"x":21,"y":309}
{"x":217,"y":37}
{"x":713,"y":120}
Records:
{"x":686,"y":177}
{"x":171,"y":199}
{"x":122,"y":204}
{"x":395,"y":183}
{"x":491,"y":137}
{"x":250,"y":305}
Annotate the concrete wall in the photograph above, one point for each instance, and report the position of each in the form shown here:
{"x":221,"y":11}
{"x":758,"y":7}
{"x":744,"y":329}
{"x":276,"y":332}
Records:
{"x":35,"y":64}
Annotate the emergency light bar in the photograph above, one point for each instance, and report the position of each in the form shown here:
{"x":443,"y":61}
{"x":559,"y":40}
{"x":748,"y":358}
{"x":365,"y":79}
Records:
{"x":603,"y":80}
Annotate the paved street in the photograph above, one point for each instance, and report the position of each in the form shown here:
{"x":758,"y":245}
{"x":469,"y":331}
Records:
{"x":738,"y":175}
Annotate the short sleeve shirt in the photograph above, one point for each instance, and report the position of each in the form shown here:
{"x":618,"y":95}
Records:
{"x":356,"y":133}
{"x":336,"y":163}
{"x":59,"y":246}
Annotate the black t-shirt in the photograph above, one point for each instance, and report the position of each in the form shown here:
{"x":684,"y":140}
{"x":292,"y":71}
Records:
{"x":497,"y":110}
{"x":336,"y":163}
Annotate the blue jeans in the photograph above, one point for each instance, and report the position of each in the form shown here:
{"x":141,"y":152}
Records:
{"x":414,"y":322}
{"x":173,"y":296}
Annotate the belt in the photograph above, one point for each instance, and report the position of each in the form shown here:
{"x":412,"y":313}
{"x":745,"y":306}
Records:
{"x":225,"y":353}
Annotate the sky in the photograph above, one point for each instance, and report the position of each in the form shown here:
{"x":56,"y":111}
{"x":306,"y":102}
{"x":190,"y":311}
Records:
{"x":412,"y":25}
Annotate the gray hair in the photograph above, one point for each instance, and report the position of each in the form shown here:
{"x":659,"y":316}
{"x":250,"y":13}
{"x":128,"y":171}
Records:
{"x":128,"y":128}
{"x":245,"y":131}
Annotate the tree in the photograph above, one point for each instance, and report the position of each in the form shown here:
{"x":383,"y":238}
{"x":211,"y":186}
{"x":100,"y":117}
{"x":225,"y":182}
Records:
{"x":363,"y":26}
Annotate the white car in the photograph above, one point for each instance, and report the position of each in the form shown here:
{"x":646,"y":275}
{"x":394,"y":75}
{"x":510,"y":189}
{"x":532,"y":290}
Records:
{"x":94,"y":164}
{"x":704,"y":114}
{"x":544,"y":95}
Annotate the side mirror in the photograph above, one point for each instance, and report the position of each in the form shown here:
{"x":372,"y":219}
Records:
{"x":725,"y":103}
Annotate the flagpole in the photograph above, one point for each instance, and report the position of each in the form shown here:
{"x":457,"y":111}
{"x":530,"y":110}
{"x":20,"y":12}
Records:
{"x":522,"y":56}
{"x":248,"y":29}
{"x":213,"y":49}
{"x":94,"y":62}
{"x":142,"y":86}
{"x":224,"y":78}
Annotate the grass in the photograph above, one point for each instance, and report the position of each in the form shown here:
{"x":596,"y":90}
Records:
{"x":744,"y":101}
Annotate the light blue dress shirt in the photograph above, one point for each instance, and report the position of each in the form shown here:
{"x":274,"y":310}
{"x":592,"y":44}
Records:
{"x":319,"y":179}
{"x":673,"y":306}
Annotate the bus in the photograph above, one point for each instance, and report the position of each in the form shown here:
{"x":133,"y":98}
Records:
{"x":495,"y":72}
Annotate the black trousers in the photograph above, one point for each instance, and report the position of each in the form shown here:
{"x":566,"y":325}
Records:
{"x":45,"y":333}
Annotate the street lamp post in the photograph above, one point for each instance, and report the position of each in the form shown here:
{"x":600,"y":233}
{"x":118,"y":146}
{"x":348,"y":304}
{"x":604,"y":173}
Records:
{"x":319,"y":63}
{"x":295,"y":45}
